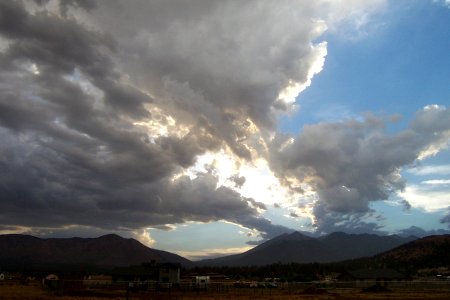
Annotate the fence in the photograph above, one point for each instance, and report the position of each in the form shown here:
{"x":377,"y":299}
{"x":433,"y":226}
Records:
{"x":152,"y":289}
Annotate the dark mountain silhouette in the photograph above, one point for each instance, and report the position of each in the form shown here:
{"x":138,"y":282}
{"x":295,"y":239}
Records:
{"x":298,"y":248}
{"x":107,"y":251}
{"x":428,"y":252}
{"x":294,"y":247}
{"x":349,"y":246}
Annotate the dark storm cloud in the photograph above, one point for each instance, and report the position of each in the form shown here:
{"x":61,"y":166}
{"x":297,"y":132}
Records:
{"x":328,"y":221}
{"x":406,"y":205}
{"x":266,"y":227}
{"x":352,"y":163}
{"x":70,"y":153}
{"x":64,"y":191}
{"x":446,"y":219}
{"x":238,"y":180}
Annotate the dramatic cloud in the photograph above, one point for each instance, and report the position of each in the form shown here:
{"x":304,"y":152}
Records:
{"x":219,"y":68}
{"x":105,"y":104}
{"x":352,"y":163}
{"x":73,"y":151}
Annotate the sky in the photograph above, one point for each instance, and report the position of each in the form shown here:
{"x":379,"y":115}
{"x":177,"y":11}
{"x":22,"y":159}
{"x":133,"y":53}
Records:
{"x":205,"y":127}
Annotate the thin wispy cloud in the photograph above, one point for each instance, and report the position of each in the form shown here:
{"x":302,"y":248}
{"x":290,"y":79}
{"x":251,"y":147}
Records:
{"x":430,"y":170}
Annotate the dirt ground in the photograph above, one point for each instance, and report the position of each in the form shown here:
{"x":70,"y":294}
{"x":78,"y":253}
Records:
{"x":28,"y":292}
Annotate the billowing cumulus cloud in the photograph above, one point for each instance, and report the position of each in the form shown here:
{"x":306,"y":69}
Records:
{"x":105,"y":104}
{"x":71,"y":151}
{"x":218,"y":68}
{"x":354,"y":162}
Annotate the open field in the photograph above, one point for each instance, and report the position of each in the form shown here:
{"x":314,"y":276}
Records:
{"x":35,"y":291}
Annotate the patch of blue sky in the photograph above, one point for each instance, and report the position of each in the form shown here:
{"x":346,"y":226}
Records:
{"x":405,"y":218}
{"x":289,"y":218}
{"x":398,"y":68}
{"x":215,"y":235}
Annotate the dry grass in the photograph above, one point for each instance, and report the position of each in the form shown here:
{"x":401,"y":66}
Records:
{"x":35,"y":292}
{"x":10,"y":292}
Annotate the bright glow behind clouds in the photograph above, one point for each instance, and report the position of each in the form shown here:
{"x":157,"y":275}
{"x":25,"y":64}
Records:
{"x":258,"y":181}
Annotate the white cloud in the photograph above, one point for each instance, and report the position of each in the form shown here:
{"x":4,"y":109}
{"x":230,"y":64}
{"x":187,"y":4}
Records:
{"x":353,"y":19}
{"x":430,"y":170}
{"x":144,"y":237}
{"x":437,"y":182}
{"x":444,"y":2}
{"x":430,"y":199}
{"x":289,"y":93}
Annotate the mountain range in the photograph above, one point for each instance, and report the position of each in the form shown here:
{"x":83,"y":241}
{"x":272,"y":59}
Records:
{"x":112,"y":250}
{"x":106,"y":251}
{"x":299,"y":248}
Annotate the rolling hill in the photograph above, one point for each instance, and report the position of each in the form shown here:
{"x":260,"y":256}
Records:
{"x":428,"y":252}
{"x":106,"y":251}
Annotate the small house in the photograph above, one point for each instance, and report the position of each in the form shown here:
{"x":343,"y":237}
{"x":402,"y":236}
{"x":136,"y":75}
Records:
{"x":202,"y":282}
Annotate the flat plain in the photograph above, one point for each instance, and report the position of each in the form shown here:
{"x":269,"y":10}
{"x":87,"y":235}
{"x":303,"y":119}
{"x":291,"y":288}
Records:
{"x":35,"y":291}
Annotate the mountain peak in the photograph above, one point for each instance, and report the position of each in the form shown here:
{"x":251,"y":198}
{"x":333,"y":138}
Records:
{"x":111,"y":236}
{"x":297,"y":236}
{"x":289,"y":236}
